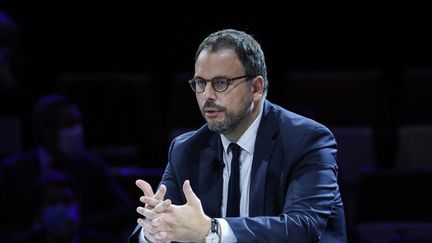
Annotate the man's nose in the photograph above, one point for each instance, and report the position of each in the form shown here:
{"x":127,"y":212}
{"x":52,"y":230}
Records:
{"x":209,"y":92}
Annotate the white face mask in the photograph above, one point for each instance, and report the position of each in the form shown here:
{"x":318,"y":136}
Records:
{"x":71,"y":140}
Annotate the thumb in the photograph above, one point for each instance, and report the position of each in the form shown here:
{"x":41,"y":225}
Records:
{"x":191,"y":198}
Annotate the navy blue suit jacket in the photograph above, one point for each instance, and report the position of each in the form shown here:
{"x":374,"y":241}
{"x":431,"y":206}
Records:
{"x":294,"y":195}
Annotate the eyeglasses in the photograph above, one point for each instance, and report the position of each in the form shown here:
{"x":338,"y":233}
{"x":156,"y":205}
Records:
{"x":219,"y":84}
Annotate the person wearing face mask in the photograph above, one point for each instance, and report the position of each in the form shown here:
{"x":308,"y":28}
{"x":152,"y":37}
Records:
{"x":60,"y":192}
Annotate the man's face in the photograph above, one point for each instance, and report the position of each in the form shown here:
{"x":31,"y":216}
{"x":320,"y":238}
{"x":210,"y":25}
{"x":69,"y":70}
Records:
{"x":71,"y":140}
{"x":228,"y":111}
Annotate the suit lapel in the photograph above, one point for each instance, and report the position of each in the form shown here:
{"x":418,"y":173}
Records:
{"x":210,"y":177}
{"x":264,"y":145}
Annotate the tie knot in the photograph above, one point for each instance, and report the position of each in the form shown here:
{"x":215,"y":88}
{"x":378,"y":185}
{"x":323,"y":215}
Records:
{"x":235,"y":149}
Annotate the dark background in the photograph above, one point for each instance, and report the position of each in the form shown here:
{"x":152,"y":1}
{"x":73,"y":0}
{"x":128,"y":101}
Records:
{"x":119,"y":38}
{"x":96,"y":55}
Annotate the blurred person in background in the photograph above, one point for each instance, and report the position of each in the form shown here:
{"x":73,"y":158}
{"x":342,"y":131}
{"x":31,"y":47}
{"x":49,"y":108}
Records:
{"x":18,"y":91}
{"x":58,"y":191}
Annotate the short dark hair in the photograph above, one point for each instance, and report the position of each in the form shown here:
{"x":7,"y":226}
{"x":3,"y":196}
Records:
{"x":52,"y":112}
{"x":244,"y":45}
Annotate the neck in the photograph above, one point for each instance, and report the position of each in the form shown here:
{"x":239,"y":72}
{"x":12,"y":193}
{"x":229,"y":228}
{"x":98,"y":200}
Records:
{"x":245,"y":124}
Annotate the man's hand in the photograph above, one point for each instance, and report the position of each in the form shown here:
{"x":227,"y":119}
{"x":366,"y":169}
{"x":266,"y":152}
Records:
{"x":180,"y":223}
{"x":151,"y":209}
{"x":148,"y":192}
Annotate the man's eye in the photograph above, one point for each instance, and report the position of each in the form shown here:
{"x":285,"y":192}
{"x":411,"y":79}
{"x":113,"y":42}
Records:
{"x":220,"y":82}
{"x":200,"y":82}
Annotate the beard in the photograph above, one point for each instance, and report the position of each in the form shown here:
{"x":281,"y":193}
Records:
{"x":231,"y":119}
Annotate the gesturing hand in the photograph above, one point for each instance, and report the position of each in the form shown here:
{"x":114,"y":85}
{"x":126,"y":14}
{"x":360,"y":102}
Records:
{"x":180,"y":223}
{"x":154,"y":205}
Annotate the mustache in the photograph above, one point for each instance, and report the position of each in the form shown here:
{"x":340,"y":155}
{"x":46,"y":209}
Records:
{"x":210,"y":104}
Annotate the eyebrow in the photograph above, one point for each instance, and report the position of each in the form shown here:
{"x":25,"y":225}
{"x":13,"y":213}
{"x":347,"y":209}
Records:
{"x":219,"y":76}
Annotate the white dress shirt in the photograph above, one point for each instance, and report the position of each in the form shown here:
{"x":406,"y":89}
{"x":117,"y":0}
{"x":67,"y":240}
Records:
{"x":247,"y":144}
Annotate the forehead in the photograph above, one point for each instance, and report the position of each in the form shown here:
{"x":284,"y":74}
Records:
{"x":222,"y":62}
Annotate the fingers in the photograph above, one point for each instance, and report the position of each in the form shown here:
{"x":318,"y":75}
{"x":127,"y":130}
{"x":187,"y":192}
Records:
{"x":149,"y":201}
{"x":152,"y":233}
{"x":145,"y":187}
{"x":191,"y":198}
{"x":162,"y":207}
{"x":162,"y":236}
{"x":151,"y":213}
{"x":160,"y":194}
{"x":154,"y":208}
{"x":147,"y":213}
{"x":149,"y":198}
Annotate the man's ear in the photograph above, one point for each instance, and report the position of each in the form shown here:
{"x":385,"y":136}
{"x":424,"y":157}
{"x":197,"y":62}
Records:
{"x":258,"y":87}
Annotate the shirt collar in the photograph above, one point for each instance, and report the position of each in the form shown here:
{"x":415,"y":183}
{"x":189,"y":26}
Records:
{"x":247,"y":139}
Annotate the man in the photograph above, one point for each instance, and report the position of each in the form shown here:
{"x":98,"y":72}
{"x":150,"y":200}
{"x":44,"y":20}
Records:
{"x":59,"y":192}
{"x":286,"y":188}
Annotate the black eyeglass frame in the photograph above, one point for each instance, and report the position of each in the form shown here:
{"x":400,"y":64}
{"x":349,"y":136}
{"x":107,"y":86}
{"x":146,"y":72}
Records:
{"x":228,"y":82}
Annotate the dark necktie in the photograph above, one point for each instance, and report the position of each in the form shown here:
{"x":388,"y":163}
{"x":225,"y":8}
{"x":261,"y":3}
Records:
{"x":233,"y":204}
